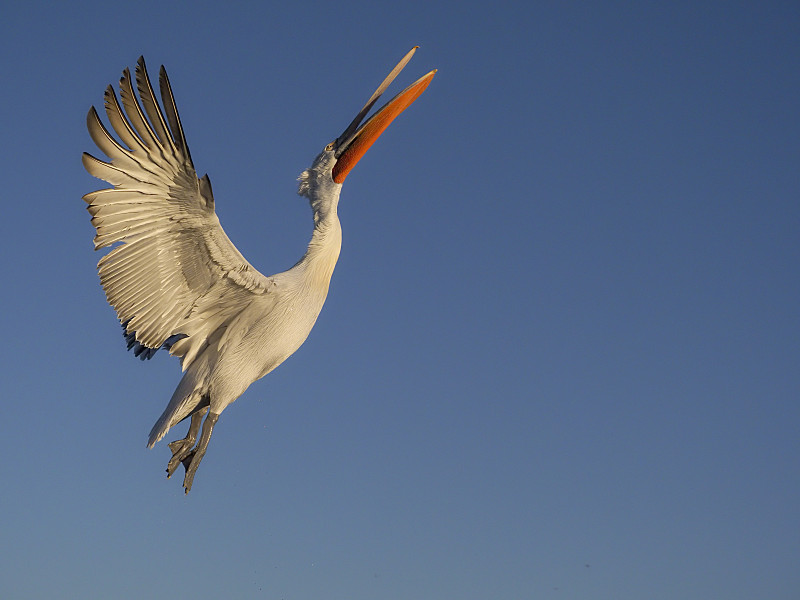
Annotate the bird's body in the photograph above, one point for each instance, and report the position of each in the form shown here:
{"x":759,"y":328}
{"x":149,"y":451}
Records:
{"x":177,"y":281}
{"x":270,"y":325}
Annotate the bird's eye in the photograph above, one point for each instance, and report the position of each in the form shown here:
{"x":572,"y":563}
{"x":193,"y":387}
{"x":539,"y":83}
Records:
{"x":329,"y":147}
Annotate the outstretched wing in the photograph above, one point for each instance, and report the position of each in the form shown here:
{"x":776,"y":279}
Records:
{"x":172,"y":276}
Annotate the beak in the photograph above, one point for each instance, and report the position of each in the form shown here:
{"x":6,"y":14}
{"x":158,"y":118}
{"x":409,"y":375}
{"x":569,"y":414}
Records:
{"x":357,"y":139}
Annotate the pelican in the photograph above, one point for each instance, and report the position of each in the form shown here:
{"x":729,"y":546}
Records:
{"x":174,"y":278}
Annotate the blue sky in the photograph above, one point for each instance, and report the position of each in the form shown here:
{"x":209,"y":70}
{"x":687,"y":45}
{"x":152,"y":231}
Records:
{"x":559,"y":358}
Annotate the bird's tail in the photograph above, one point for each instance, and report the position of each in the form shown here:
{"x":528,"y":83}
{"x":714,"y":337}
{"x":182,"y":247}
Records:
{"x":188,"y":397}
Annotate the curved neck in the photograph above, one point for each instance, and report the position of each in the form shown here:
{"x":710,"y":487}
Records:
{"x":322,"y":192}
{"x":323,"y":250}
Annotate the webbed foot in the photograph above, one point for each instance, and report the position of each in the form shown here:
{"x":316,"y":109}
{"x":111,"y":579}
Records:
{"x":182,"y":449}
{"x":191,"y":459}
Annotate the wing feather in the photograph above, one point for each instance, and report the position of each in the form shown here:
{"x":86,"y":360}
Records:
{"x":119,"y":122}
{"x":150,"y":104}
{"x":172,"y":274}
{"x":172,"y":112}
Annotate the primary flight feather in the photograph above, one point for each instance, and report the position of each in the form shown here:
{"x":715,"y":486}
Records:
{"x":175,"y":279}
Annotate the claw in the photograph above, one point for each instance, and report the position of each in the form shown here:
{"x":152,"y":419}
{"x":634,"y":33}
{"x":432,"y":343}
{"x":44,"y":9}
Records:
{"x":182,"y":449}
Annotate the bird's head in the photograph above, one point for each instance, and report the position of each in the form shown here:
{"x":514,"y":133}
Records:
{"x":325,"y":176}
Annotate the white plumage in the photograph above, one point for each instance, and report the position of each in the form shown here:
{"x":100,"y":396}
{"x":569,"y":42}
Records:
{"x":176,"y":280}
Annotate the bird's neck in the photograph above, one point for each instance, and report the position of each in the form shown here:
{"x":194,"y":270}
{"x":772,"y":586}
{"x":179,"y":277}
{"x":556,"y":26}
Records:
{"x":323,"y":249}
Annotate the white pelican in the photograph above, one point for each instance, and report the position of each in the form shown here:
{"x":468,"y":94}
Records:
{"x":175,"y":279}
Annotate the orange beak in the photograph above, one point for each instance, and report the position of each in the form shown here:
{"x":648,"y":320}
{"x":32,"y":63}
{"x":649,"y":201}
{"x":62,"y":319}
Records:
{"x":355,"y":141}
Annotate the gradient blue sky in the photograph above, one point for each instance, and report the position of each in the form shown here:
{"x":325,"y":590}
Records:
{"x":560,"y":356}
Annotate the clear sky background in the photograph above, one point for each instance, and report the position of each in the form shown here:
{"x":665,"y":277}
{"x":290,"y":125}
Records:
{"x":560,"y":357}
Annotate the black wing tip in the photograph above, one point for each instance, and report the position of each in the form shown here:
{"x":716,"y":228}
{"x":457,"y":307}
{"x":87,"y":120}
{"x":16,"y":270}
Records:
{"x":143,"y":352}
{"x":139,"y":350}
{"x":109,"y":96}
{"x":141,"y":67}
{"x":164,"y":84}
{"x":141,"y":63}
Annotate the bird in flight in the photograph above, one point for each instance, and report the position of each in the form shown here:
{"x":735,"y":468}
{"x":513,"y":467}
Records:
{"x":174,"y":278}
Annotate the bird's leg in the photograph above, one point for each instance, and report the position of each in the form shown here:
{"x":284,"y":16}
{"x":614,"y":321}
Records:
{"x":183,"y":448}
{"x":199,"y":452}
